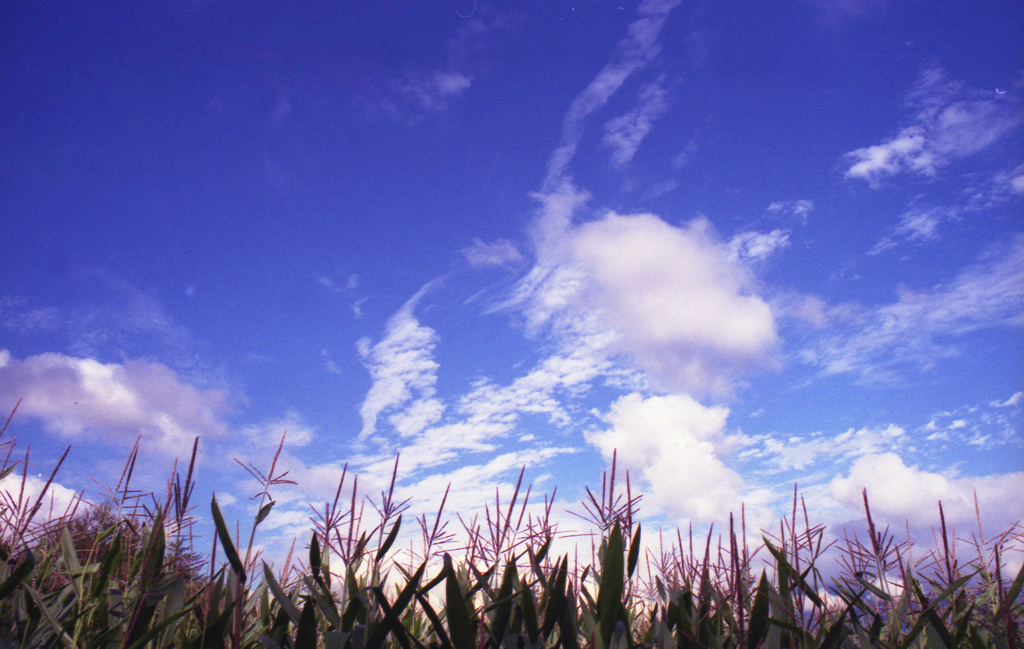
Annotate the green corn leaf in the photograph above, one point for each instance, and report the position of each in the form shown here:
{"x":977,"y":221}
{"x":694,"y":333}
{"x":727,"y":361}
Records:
{"x":503,"y":612}
{"x":68,"y":552}
{"x":314,"y":554}
{"x":264,"y":512}
{"x":157,"y":629}
{"x":610,"y":591}
{"x":1011,"y":595}
{"x":875,"y":590}
{"x":305,"y":634}
{"x":356,"y":609}
{"x":335,"y":639}
{"x":441,"y":576}
{"x":568,"y":626}
{"x":634,"y":552}
{"x":390,"y":622}
{"x":435,"y":621}
{"x":759,"y":613}
{"x":836,"y":633}
{"x":382,"y":552}
{"x":225,"y":541}
{"x":18,"y":575}
{"x":460,"y":629}
{"x":44,"y":612}
{"x":406,"y":594}
{"x":324,"y":601}
{"x":286,"y":603}
{"x":536,"y":558}
{"x":558,"y":600}
{"x":923,"y":619}
{"x":529,"y":609}
{"x":268,"y":642}
{"x":937,"y":632}
{"x":787,"y":569}
{"x":963,"y":626}
{"x":110,"y":557}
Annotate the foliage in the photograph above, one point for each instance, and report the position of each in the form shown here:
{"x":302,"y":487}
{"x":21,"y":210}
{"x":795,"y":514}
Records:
{"x":125,"y":575}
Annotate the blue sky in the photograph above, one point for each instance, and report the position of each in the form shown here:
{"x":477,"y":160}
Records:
{"x":745,"y":246}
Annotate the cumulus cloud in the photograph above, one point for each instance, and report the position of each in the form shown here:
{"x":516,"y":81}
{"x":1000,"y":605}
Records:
{"x":490,"y":255}
{"x":624,"y":134}
{"x":403,"y":371}
{"x":118,"y":401}
{"x":918,"y":328}
{"x":18,"y":497}
{"x":686,"y":314}
{"x":948,"y":122}
{"x":899,"y":492}
{"x":673,"y":442}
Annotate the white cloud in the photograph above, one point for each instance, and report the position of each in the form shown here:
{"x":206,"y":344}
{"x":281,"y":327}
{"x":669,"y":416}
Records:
{"x":948,"y":123}
{"x":899,"y":492}
{"x":489,"y":255}
{"x":798,"y":210}
{"x":633,"y":52}
{"x":419,"y":91}
{"x":268,"y":434}
{"x":1003,"y":186}
{"x":686,"y":314}
{"x":672,"y":442}
{"x":1014,"y":400}
{"x":804,"y":309}
{"x":917,"y":328}
{"x":802,"y":452}
{"x":402,"y":368}
{"x":113,"y":401}
{"x":757,"y":246}
{"x":17,"y":498}
{"x":429,"y":91}
{"x":917,"y":225}
{"x":14,"y":316}
{"x":624,"y":134}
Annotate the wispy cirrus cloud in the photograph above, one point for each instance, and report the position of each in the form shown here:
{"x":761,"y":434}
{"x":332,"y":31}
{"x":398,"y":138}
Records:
{"x":420,"y":91}
{"x":797,"y":210}
{"x":480,"y":254}
{"x":1004,"y":186}
{"x":403,"y":372}
{"x":633,"y":52}
{"x":920,"y":328}
{"x":948,"y":122}
{"x":624,"y":134}
{"x":917,"y":225}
